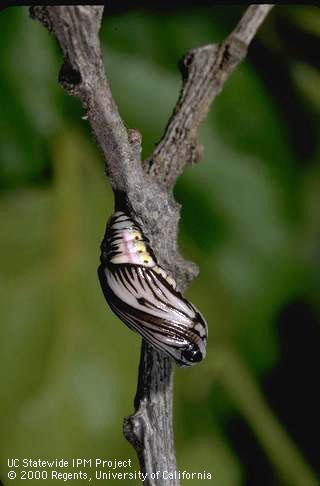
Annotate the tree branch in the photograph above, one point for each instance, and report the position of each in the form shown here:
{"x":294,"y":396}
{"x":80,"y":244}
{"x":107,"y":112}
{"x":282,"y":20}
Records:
{"x":146,"y":194}
{"x":82,"y":74}
{"x":204,"y":71}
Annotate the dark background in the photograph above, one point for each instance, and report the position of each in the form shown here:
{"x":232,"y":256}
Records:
{"x":250,"y":219}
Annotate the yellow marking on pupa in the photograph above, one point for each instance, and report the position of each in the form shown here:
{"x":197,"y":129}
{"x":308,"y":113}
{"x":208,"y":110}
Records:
{"x":140,"y":247}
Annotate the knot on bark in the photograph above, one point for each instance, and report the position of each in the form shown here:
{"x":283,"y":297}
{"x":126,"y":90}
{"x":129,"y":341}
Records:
{"x":234,"y":50}
{"x":69,"y":77}
{"x":185,"y":64}
{"x":137,"y":427}
{"x":135,"y":140}
{"x":196,"y":153}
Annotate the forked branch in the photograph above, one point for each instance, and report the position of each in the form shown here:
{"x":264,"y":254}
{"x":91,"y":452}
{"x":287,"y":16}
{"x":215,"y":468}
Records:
{"x":144,"y":190}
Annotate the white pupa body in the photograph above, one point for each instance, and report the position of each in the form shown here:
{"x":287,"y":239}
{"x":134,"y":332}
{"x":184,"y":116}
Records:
{"x":144,"y":296}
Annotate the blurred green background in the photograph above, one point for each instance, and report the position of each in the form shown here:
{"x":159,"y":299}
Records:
{"x":250,"y":219}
